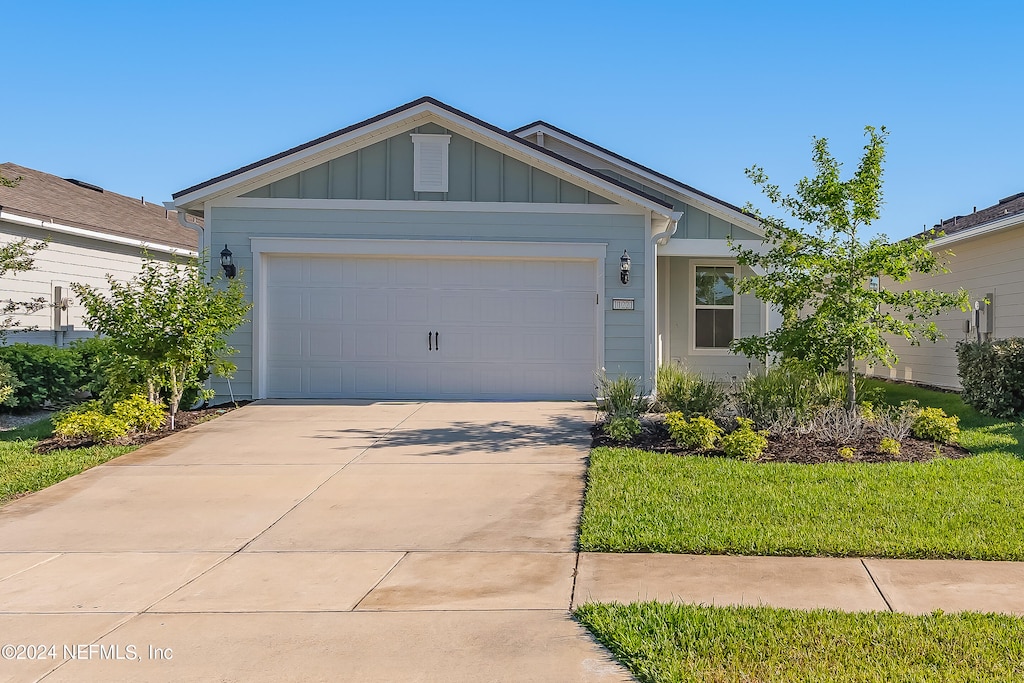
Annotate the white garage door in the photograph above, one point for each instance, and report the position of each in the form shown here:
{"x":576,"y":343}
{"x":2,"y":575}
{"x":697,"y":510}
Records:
{"x":363,"y":327}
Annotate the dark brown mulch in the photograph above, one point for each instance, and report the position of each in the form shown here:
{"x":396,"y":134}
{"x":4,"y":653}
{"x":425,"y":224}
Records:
{"x":183,"y":420}
{"x":793,"y":448}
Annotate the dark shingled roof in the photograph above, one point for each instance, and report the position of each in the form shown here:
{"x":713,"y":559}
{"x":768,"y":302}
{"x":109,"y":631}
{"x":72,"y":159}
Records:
{"x":397,"y":110}
{"x":1007,"y":206}
{"x":81,"y":205}
{"x":610,"y":153}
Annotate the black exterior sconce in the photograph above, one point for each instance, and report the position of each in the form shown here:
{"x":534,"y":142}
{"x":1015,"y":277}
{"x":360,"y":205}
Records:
{"x":225,"y":262}
{"x":624,"y":264}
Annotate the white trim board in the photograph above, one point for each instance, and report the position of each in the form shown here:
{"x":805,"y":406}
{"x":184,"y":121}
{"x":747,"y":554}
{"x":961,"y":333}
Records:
{"x":264,"y":248}
{"x":706,"y":248}
{"x":423,"y":205}
{"x":92,"y":234}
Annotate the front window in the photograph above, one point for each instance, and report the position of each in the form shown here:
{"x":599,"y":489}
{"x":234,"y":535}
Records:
{"x":714,"y":306}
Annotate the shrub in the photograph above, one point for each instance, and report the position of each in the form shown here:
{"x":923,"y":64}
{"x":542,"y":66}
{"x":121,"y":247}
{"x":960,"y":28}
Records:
{"x":992,"y":375}
{"x":139,"y":413}
{"x":622,"y":396}
{"x":696,"y":433}
{"x":895,"y":422}
{"x":745,"y":443}
{"x":834,"y":424}
{"x":890,"y":446}
{"x":8,"y":384}
{"x":846,"y":452}
{"x":622,"y":427}
{"x":935,"y":425}
{"x":687,"y":392}
{"x":49,"y":375}
{"x":89,"y":420}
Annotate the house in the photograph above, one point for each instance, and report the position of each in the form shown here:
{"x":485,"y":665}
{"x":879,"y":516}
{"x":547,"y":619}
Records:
{"x":424,"y":253}
{"x":987,"y":248}
{"x":90,"y":232}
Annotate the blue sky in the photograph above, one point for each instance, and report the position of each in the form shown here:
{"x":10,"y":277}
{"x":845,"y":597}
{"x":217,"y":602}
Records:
{"x":148,"y":98}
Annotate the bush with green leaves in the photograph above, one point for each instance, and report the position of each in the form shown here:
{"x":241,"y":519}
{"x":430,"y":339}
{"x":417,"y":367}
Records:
{"x":140,"y":414}
{"x":622,"y":428}
{"x":49,"y":375}
{"x":890,"y":446}
{"x":992,"y":375}
{"x":698,"y":433}
{"x":690,"y":393}
{"x":745,"y":443}
{"x":92,"y":419}
{"x":88,"y":420}
{"x":933,"y":424}
{"x":622,"y":396}
{"x":9,"y":383}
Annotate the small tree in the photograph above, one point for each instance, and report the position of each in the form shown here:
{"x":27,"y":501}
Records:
{"x":825,"y":280}
{"x":16,"y":257}
{"x":170,"y":321}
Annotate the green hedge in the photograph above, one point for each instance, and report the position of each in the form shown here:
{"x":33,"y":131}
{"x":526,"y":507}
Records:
{"x":48,"y":375}
{"x":992,"y":375}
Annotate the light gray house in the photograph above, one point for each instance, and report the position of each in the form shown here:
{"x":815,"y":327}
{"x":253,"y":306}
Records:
{"x":987,"y":260}
{"x":91,"y":232}
{"x":424,"y":253}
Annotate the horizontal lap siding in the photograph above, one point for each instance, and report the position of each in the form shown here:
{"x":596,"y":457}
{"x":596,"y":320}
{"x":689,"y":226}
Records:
{"x":67,"y":259}
{"x":624,"y":330}
{"x":981,"y":265}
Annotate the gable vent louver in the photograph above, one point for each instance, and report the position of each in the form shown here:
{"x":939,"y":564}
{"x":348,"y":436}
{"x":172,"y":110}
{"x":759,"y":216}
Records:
{"x":430,"y":162}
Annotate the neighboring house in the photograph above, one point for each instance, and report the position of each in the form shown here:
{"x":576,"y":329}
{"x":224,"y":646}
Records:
{"x":91,"y":232}
{"x":988,"y":261}
{"x":424,"y":253}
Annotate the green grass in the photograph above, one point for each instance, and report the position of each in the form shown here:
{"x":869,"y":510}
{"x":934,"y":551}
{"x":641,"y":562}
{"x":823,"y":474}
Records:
{"x":22,"y":471}
{"x":663,"y":643}
{"x":638,"y":501}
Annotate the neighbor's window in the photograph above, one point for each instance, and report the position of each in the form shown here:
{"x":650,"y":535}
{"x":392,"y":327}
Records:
{"x":714,"y":306}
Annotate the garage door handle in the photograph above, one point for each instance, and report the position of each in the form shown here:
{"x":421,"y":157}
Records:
{"x":437,"y":341}
{"x":430,"y":346}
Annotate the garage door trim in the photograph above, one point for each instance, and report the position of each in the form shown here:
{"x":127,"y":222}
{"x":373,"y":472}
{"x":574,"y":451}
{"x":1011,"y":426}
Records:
{"x":265,"y":247}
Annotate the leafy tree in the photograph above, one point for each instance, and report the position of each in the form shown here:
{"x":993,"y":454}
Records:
{"x":169,"y":323}
{"x":824,"y":280}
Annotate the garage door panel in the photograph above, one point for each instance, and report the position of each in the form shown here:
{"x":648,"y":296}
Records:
{"x":287,"y":270}
{"x":285,"y":381}
{"x":286,"y":342}
{"x":412,"y":307}
{"x":326,"y":343}
{"x":357,"y":327}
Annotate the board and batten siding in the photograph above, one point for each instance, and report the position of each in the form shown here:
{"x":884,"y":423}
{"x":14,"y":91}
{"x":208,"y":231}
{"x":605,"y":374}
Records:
{"x":384,"y":170}
{"x":981,"y":265}
{"x":67,"y":259}
{"x":675,"y":322}
{"x":624,"y":350}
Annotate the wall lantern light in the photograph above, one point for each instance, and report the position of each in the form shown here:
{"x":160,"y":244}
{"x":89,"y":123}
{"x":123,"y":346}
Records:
{"x":225,"y":262}
{"x":624,"y":263}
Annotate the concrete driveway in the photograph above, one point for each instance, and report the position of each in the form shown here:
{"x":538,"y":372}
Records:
{"x":311,"y":541}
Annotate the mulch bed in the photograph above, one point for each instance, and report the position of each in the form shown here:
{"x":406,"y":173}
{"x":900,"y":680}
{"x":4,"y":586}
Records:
{"x":793,"y":448}
{"x":183,"y":420}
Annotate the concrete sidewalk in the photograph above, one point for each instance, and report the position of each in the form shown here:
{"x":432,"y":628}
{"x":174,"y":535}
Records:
{"x":846,"y":584}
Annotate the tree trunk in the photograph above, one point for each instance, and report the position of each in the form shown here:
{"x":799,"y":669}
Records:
{"x":851,"y":384}
{"x":175,"y":396}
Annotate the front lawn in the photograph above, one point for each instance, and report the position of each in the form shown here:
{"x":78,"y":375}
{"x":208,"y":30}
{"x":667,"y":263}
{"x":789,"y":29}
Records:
{"x":640,"y":501}
{"x":22,"y":471}
{"x":669,"y":642}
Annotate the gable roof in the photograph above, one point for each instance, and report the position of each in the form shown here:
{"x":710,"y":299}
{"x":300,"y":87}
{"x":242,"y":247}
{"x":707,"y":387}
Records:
{"x":45,"y":197}
{"x":1007,"y":207}
{"x":671,"y":182}
{"x":430,"y":102}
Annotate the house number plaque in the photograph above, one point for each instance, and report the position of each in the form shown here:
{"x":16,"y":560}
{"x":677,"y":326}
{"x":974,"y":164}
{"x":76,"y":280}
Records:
{"x":622,"y":304}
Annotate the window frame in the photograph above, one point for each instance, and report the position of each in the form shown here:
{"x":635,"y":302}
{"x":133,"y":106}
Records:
{"x":693,"y":306}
